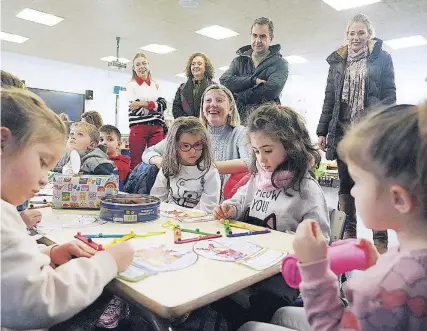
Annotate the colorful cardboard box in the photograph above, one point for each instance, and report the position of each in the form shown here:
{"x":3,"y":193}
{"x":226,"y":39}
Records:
{"x":82,"y":191}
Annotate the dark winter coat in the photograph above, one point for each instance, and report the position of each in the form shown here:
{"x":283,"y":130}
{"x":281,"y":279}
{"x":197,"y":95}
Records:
{"x":185,"y":102}
{"x":240,"y":78}
{"x":380,"y":89}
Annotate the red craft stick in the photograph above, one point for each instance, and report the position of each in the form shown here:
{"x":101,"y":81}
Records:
{"x":89,"y":241}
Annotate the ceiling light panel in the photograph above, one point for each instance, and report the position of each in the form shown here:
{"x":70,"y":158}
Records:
{"x":159,"y":49}
{"x":295,"y":59}
{"x":347,"y":4}
{"x":14,"y":38}
{"x":406,"y":42}
{"x":39,"y":17}
{"x":217,"y":32}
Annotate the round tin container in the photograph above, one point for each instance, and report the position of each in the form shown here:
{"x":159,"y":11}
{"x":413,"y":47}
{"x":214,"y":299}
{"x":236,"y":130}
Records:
{"x":129,"y":208}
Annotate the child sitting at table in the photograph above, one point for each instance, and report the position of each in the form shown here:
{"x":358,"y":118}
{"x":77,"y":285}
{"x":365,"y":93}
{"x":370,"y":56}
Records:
{"x":84,"y":138}
{"x":41,"y":287}
{"x":111,"y":137}
{"x":280,"y":194}
{"x":188,"y":176}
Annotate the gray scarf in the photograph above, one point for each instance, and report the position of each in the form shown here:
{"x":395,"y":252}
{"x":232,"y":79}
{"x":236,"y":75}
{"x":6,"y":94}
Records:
{"x":353,"y":93}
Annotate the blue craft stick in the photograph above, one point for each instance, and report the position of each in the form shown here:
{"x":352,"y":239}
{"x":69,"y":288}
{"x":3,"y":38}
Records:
{"x":104,"y":235}
{"x":249,"y":233}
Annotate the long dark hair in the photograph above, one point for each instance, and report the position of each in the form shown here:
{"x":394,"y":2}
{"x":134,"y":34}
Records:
{"x":286,"y":125}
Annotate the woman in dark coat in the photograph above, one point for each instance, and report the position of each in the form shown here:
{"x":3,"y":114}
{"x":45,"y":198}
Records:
{"x":361,"y":79}
{"x":200,"y":73}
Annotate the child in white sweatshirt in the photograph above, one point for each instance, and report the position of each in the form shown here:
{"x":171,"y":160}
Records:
{"x":188,"y":176}
{"x":41,"y":288}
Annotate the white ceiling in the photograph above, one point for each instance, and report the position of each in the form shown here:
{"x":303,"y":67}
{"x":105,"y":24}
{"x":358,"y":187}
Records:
{"x":308,"y":28}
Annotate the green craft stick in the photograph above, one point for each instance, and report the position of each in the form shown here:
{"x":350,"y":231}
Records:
{"x":196,"y":232}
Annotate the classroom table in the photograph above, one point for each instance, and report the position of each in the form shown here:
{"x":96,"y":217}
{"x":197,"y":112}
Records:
{"x":172,"y":294}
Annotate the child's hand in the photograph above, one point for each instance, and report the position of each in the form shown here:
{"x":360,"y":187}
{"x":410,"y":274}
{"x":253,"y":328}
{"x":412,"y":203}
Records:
{"x":31,"y":217}
{"x":309,"y":243}
{"x":123,"y":254}
{"x":372,"y":251}
{"x":64,"y":253}
{"x":223,"y":212}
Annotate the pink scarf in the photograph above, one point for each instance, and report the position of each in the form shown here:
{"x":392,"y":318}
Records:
{"x":281,"y":179}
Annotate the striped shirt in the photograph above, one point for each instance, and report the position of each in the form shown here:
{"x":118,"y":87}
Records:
{"x":150,"y":93}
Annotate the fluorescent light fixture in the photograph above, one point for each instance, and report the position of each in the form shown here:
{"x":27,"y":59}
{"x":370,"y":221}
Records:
{"x":14,"y":38}
{"x":114,"y":58}
{"x":223,"y":68}
{"x":347,"y":4}
{"x":217,"y":32}
{"x":159,"y":49}
{"x":406,"y":42}
{"x":181,"y":75}
{"x":295,"y":59}
{"x":39,"y":17}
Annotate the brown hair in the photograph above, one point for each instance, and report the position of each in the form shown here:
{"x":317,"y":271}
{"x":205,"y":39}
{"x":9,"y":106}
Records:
{"x":29,"y":119}
{"x":209,"y":70}
{"x":94,"y":118}
{"x":234,"y":118}
{"x":134,"y":75}
{"x":392,"y":143}
{"x":9,"y":80}
{"x":171,"y":164}
{"x":264,"y":21}
{"x":90,"y":129}
{"x":286,"y":125}
{"x":109,"y":129}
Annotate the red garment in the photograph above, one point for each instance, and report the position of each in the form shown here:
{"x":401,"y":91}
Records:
{"x":141,"y":136}
{"x":122,"y":163}
{"x":140,"y":81}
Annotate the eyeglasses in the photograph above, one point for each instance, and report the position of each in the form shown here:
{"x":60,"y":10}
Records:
{"x":185,"y":147}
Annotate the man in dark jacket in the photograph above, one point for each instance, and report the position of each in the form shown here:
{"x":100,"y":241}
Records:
{"x":259,"y":73}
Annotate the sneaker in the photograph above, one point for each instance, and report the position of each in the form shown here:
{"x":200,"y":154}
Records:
{"x":116,"y":311}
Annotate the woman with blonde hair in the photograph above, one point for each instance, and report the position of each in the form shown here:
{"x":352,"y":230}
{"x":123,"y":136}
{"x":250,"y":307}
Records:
{"x":200,"y":73}
{"x":361,"y":78}
{"x":146,"y":107}
{"x":218,"y":113}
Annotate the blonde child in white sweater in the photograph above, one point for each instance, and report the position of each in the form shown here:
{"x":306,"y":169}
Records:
{"x":41,"y":288}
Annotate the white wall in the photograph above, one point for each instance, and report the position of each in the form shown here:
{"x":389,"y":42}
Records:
{"x":67,"y":77}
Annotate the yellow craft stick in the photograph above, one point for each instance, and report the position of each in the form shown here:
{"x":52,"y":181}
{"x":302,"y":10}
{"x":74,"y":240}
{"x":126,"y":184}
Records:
{"x":124,"y":238}
{"x":242,"y":226}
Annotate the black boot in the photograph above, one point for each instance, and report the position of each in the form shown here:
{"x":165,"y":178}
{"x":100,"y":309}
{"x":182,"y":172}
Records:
{"x":346,"y":205}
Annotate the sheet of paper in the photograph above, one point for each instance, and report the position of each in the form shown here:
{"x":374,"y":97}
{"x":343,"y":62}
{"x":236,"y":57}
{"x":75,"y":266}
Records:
{"x":264,"y":259}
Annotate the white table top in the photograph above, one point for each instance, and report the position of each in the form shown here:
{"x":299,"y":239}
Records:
{"x":172,"y":294}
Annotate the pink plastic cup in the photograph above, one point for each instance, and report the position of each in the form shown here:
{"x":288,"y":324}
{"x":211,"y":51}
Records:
{"x":343,"y":256}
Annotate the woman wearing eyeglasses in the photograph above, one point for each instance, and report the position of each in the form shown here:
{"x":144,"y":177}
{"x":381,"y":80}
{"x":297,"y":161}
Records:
{"x":188,"y":176}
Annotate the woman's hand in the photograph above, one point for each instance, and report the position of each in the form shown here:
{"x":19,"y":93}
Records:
{"x":64,"y":253}
{"x":157,"y":161}
{"x":322,"y":143}
{"x":309,"y":243}
{"x":224,"y":212}
{"x":135,"y":105}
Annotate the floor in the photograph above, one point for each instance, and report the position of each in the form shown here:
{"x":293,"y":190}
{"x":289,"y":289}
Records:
{"x":331,"y":195}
